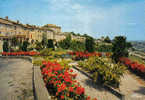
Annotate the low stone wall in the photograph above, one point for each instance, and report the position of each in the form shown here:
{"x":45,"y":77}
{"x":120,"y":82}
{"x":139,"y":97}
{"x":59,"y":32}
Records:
{"x":41,"y":92}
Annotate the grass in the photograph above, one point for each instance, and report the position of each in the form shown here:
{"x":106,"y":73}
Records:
{"x":137,"y":59}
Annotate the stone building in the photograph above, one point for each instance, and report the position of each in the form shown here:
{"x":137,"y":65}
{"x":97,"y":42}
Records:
{"x":9,"y":29}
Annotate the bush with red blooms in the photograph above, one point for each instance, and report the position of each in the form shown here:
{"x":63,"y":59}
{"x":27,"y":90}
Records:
{"x":21,"y":53}
{"x":61,"y":82}
{"x":85,"y":55}
{"x":134,"y":66}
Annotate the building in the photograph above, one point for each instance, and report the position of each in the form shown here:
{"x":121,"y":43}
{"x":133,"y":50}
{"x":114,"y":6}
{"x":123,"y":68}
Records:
{"x":9,"y":29}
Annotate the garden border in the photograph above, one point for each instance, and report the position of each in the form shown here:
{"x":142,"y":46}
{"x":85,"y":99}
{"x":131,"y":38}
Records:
{"x":37,"y":81}
{"x":113,"y":91}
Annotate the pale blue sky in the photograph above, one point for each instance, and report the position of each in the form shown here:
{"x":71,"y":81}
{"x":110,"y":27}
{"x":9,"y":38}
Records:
{"x":94,"y":17}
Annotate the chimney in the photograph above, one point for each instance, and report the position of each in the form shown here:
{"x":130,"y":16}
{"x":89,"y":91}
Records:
{"x":6,"y":17}
{"x":17,"y":21}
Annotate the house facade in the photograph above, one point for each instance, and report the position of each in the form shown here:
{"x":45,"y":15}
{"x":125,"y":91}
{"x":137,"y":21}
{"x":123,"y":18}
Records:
{"x":9,"y":29}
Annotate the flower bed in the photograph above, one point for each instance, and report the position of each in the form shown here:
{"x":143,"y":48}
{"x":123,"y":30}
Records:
{"x":85,"y":55}
{"x":32,"y":53}
{"x":134,"y":66}
{"x":103,"y":71}
{"x":61,"y":82}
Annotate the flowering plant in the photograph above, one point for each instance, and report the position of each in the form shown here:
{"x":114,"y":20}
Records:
{"x":85,"y":55}
{"x":61,"y":82}
{"x":134,"y":66}
{"x":20,"y":53}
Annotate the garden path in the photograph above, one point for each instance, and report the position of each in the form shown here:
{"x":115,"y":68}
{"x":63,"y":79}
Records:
{"x":93,"y":90}
{"x":15,"y":79}
{"x":131,"y":88}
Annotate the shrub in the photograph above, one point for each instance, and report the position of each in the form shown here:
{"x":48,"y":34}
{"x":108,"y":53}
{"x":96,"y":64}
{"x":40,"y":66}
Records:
{"x":107,"y":39}
{"x":44,"y":40}
{"x":38,"y":46}
{"x":25,"y":45}
{"x":77,"y":46}
{"x":5,"y":46}
{"x":50,"y":44}
{"x":61,"y":83}
{"x":45,"y":52}
{"x":103,"y":71}
{"x":104,"y":48}
{"x":66,"y":43}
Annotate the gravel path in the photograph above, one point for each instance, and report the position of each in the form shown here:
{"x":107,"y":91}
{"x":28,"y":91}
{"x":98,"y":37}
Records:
{"x":15,"y":79}
{"x":93,"y":90}
{"x":131,"y":88}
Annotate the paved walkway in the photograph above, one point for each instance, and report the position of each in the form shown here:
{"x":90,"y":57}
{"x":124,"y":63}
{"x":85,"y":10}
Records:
{"x":15,"y":79}
{"x":93,"y":90}
{"x":131,"y":88}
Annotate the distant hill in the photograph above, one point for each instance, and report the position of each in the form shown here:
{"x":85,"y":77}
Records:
{"x":139,"y":45}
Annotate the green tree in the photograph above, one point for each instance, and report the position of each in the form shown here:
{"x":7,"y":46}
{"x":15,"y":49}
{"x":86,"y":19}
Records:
{"x":119,"y":49}
{"x":77,"y":46}
{"x":90,"y":44}
{"x":44,"y":40}
{"x":5,"y":46}
{"x":66,"y":43}
{"x":14,"y":41}
{"x":25,"y":45}
{"x":38,"y":45}
{"x":50,"y":44}
{"x":107,"y":39}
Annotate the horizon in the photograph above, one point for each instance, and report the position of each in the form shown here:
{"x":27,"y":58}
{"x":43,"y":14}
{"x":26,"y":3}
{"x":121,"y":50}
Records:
{"x":90,"y":17}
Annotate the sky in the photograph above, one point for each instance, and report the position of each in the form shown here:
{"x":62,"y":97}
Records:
{"x":93,"y":17}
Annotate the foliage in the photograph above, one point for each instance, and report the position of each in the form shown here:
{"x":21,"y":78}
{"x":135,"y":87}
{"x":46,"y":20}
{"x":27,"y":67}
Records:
{"x":38,"y":46}
{"x":50,"y":44}
{"x":44,"y":40}
{"x":90,"y":44}
{"x":25,"y":45}
{"x":65,"y":44}
{"x":37,"y":62}
{"x":104,"y":48}
{"x":45,"y":52}
{"x":134,"y":66}
{"x":5,"y":46}
{"x":14,"y":41}
{"x":61,"y":82}
{"x":107,"y":39}
{"x":103,"y":70}
{"x":77,"y":46}
{"x":20,"y":53}
{"x":119,"y":48}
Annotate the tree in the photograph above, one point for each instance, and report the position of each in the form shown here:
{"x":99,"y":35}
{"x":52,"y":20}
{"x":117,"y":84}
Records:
{"x":50,"y":44}
{"x":66,"y":43}
{"x":38,"y":45}
{"x":119,"y":48}
{"x":5,"y":46}
{"x":14,"y":41}
{"x":107,"y":39}
{"x":25,"y":45}
{"x":77,"y":46}
{"x":44,"y":40}
{"x":89,"y":44}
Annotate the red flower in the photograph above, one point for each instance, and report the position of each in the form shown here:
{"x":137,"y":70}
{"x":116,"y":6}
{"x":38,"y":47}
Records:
{"x":79,"y":90}
{"x":71,"y":89}
{"x":88,"y":98}
{"x":71,"y":70}
{"x":62,"y":97}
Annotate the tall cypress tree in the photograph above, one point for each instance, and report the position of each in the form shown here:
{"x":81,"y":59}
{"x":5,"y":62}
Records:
{"x":5,"y":46}
{"x":90,"y":44}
